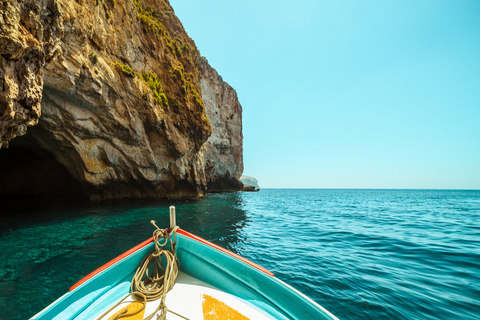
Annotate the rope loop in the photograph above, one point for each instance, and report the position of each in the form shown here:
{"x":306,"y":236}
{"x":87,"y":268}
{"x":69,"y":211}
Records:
{"x":152,"y":282}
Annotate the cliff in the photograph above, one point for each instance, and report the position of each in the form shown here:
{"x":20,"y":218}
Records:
{"x":224,"y":148}
{"x":111,"y":98}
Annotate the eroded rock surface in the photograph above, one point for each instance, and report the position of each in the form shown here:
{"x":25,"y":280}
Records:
{"x":117,"y":93}
{"x":224,"y":148}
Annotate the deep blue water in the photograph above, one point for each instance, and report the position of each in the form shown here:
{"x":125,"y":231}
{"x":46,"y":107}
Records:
{"x":362,"y":254}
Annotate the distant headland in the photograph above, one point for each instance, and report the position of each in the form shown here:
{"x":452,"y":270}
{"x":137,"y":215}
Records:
{"x":250,"y":183}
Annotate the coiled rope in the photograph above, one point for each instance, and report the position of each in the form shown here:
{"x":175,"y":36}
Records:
{"x":153,"y":287}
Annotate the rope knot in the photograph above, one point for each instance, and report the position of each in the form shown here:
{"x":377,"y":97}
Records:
{"x":165,"y":270}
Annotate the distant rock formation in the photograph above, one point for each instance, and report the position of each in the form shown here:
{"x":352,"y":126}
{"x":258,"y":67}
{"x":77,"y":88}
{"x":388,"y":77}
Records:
{"x":250,"y":183}
{"x":115,"y":92}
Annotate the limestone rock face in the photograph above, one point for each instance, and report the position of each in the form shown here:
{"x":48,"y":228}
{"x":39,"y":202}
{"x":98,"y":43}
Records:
{"x":117,"y":93}
{"x":22,"y":57}
{"x":224,"y":149}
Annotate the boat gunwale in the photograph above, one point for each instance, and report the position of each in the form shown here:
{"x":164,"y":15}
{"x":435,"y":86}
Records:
{"x":150,"y":240}
{"x":213,"y":245}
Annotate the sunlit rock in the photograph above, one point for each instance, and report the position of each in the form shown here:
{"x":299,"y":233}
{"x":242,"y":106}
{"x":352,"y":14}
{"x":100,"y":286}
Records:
{"x":117,"y":93}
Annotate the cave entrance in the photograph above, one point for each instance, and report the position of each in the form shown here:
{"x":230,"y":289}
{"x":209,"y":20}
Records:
{"x":28,"y":170}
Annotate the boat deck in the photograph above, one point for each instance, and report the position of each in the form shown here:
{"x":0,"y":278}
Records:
{"x":195,"y":300}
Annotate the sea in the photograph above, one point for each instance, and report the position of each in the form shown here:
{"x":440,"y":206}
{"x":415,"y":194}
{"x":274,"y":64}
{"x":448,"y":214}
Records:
{"x":361,"y":254}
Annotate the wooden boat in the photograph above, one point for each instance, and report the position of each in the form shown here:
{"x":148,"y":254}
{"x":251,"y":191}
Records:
{"x":212,"y":283}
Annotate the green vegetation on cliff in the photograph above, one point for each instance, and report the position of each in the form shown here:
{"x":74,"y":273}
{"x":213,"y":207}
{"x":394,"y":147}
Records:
{"x":187,"y":85}
{"x":93,"y":57}
{"x":150,"y":79}
{"x":183,"y":62}
{"x":128,"y":71}
{"x":150,"y":20}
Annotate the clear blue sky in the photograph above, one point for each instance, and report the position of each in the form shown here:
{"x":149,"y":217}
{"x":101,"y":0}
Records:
{"x":347,"y":93}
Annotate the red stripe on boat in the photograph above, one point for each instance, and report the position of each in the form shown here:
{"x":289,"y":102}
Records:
{"x":146,"y":242}
{"x":112,"y":262}
{"x":208,"y":243}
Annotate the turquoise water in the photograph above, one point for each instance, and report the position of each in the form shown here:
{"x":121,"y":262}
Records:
{"x":381,"y":254}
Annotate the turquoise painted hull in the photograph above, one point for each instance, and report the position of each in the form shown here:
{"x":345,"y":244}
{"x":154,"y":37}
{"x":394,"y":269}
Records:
{"x":199,"y":259}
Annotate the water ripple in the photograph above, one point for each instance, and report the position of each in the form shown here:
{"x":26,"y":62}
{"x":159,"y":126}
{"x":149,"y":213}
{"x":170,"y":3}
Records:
{"x":381,"y":254}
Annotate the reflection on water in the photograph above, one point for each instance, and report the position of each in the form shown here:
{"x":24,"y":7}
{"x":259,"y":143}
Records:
{"x":220,"y":218}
